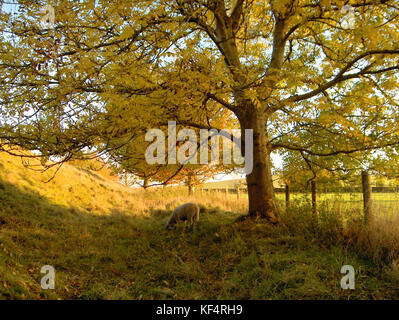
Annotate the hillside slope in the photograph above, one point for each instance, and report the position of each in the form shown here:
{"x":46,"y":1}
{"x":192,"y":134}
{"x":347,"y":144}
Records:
{"x":106,"y":241}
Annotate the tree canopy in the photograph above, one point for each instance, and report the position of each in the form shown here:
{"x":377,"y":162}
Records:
{"x":284,"y":69}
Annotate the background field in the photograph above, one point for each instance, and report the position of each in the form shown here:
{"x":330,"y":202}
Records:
{"x":384,"y":204}
{"x":107,"y":241}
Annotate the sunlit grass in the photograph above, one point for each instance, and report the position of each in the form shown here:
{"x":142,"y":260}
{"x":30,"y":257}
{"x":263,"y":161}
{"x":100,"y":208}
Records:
{"x":107,"y":241}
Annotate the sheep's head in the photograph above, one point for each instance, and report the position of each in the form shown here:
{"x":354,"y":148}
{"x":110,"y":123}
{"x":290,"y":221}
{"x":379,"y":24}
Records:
{"x":171,"y":222}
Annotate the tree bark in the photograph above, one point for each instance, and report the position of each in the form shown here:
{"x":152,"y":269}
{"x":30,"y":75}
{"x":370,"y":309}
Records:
{"x":190,"y":190}
{"x":145,"y":183}
{"x":367,"y":201}
{"x":261,"y":197}
{"x":190,"y":184}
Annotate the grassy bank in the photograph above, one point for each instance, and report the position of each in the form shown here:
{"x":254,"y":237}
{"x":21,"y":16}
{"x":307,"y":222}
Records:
{"x":109,"y":242}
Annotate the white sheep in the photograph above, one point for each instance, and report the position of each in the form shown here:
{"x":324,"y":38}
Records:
{"x":186,"y":212}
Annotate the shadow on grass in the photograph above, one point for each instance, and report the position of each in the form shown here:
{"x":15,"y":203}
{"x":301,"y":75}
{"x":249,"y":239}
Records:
{"x":120,"y":256}
{"x":95,"y":256}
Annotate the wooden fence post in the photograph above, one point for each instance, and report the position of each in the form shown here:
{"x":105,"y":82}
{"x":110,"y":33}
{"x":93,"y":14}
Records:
{"x":314,"y":196}
{"x":287,"y":196}
{"x":367,"y":201}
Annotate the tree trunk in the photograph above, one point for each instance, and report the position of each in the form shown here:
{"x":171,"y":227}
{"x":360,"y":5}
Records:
{"x":261,"y":197}
{"x":190,"y":184}
{"x":367,"y":202}
{"x":145,"y":183}
{"x":190,"y":190}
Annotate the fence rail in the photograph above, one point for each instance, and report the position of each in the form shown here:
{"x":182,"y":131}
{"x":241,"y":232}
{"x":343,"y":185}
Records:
{"x":361,"y":197}
{"x":320,"y":190}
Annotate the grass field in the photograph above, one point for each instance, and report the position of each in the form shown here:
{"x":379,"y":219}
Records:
{"x":107,"y":241}
{"x":384,"y":204}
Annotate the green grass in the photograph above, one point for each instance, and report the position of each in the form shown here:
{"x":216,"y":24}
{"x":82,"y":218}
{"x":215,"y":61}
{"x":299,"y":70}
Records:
{"x":109,"y":242}
{"x":343,"y":197}
{"x":384,"y":204}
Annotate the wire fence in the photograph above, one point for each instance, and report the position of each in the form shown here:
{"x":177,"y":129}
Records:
{"x":384,"y":199}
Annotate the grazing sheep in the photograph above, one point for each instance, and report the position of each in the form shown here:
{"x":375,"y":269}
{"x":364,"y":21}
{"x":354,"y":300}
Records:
{"x":188,"y":211}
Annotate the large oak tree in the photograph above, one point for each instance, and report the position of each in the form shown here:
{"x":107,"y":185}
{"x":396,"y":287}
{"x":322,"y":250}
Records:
{"x":106,"y":69}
